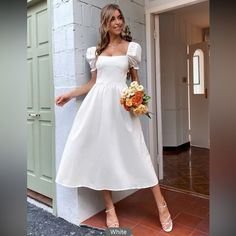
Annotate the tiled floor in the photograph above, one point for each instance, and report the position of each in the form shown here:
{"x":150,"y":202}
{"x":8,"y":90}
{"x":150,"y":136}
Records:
{"x":187,"y":170}
{"x":139,"y":213}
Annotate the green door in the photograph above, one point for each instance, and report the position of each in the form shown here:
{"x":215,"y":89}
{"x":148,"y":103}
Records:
{"x":40,"y":112}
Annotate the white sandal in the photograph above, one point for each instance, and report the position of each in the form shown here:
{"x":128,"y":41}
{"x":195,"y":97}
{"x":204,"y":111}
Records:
{"x":113,"y":224}
{"x":167,"y":221}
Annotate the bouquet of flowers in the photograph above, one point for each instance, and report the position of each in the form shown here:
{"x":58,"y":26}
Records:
{"x":135,"y":100}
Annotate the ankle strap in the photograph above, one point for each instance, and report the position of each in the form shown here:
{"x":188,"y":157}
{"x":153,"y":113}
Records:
{"x":164,"y":205}
{"x":110,"y":209}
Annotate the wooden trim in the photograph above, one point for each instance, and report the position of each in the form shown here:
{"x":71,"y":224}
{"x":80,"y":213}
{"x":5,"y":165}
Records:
{"x":39,"y":197}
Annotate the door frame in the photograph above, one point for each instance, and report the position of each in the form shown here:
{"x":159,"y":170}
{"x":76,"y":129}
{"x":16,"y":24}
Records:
{"x":153,"y":74}
{"x":31,"y":3}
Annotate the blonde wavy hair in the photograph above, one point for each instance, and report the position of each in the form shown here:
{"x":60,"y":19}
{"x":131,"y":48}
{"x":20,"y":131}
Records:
{"x":106,"y":15}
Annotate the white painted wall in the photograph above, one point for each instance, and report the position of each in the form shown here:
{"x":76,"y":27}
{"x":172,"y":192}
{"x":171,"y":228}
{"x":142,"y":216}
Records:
{"x":175,"y":34}
{"x":75,"y":28}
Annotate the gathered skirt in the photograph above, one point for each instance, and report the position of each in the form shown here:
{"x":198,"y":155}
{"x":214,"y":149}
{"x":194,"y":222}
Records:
{"x":105,"y":149}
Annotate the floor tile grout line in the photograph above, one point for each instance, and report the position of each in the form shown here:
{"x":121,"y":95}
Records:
{"x":147,"y":226}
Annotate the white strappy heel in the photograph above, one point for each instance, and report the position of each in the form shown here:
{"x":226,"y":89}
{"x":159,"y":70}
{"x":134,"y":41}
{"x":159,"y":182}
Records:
{"x":114,"y":223}
{"x":167,"y":224}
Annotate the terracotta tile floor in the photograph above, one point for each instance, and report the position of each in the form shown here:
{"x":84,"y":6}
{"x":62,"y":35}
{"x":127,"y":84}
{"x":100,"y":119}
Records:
{"x":187,"y":170}
{"x":139,"y":213}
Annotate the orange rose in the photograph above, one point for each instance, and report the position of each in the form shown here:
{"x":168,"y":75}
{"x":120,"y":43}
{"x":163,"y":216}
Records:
{"x":139,"y":93}
{"x":128,"y":102}
{"x":137,"y":99}
{"x":140,"y":110}
{"x":126,"y":107}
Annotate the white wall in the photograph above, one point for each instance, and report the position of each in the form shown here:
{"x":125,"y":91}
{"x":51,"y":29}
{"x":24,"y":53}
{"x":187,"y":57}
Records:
{"x":175,"y":34}
{"x":64,"y":79}
{"x":75,"y":28}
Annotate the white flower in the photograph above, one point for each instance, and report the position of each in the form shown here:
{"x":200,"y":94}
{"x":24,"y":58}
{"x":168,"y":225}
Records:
{"x":130,"y":90}
{"x":134,"y":84}
{"x":124,"y":92}
{"x":140,"y":88}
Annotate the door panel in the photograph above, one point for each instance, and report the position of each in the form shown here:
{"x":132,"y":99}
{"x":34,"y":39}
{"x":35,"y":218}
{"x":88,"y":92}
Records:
{"x":46,"y":149}
{"x":42,"y":29}
{"x":30,"y":98}
{"x":199,"y":113}
{"x":40,"y":102}
{"x":44,"y":79}
{"x":30,"y":147}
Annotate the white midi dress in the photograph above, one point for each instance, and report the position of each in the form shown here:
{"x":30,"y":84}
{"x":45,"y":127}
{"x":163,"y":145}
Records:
{"x":105,"y":148}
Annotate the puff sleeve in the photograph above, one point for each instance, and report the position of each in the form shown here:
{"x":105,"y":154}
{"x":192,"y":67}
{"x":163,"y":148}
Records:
{"x":134,"y":55}
{"x":91,"y":58}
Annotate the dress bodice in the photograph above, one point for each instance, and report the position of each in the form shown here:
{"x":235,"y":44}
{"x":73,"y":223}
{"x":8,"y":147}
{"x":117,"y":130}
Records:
{"x":114,"y":68}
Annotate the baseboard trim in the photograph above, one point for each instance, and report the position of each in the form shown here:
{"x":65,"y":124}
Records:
{"x":180,"y":148}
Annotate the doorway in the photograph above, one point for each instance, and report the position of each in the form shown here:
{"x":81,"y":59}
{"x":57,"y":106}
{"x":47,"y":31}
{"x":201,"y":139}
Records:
{"x":182,"y":139}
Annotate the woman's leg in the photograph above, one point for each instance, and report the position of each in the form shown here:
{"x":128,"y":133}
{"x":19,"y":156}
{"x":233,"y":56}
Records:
{"x":107,"y":195}
{"x":111,"y":220}
{"x":160,"y":201}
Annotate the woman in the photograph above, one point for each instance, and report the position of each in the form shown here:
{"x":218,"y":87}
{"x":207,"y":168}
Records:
{"x":105,"y":149}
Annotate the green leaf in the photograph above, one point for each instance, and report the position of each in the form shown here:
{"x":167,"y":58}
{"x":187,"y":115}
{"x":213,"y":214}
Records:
{"x":146,"y":97}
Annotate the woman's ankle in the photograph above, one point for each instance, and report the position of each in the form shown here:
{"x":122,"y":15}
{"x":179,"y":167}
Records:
{"x":110,"y":206}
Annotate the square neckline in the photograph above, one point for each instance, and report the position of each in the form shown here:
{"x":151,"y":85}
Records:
{"x":118,"y":55}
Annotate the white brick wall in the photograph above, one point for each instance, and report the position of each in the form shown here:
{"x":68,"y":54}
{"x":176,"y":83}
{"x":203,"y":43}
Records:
{"x":75,"y":28}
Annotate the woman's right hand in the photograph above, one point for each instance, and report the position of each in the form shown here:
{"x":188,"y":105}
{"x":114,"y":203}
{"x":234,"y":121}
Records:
{"x":62,"y":99}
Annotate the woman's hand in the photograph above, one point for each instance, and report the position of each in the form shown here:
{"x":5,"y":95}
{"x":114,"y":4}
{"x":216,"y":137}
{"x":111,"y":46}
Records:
{"x":62,"y":99}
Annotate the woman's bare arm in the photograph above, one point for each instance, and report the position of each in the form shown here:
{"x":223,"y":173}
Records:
{"x":134,"y":75}
{"x":83,"y":89}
